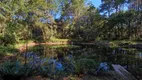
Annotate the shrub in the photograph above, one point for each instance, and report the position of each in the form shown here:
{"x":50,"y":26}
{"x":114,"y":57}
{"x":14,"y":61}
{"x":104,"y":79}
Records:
{"x":13,"y":69}
{"x":7,"y":39}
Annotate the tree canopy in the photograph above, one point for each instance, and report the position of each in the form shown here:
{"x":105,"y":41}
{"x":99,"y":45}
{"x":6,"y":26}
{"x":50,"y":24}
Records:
{"x":41,"y":20}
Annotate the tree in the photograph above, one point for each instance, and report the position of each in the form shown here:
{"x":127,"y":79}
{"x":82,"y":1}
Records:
{"x":71,"y":11}
{"x":106,"y":7}
{"x":28,"y":13}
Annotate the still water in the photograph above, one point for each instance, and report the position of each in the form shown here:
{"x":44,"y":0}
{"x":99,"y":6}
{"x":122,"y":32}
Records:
{"x":129,"y":58}
{"x":58,"y":61}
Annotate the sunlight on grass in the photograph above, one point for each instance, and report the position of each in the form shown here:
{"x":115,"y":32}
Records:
{"x":54,"y":39}
{"x":64,"y":46}
{"x":7,"y":50}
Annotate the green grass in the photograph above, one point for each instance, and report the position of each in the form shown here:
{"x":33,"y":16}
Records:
{"x":125,"y":41}
{"x":63,"y":46}
{"x":53,"y":39}
{"x":54,"y":46}
{"x":7,"y":50}
{"x":21,"y":43}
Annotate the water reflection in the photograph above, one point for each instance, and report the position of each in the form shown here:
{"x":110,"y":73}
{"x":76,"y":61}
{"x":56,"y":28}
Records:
{"x":140,"y":55}
{"x":125,"y":57}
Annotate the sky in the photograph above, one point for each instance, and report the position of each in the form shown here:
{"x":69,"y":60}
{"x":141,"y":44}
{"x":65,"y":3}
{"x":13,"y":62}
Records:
{"x":96,"y":3}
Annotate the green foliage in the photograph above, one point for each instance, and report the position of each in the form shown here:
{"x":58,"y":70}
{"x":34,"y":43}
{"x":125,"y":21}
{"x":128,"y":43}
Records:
{"x":47,"y":67}
{"x":36,"y":20}
{"x":9,"y":39}
{"x":15,"y":68}
{"x":7,"y":50}
{"x":85,"y":65}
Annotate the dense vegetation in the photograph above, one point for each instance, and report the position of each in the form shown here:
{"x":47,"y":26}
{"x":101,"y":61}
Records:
{"x":69,"y":20}
{"x":72,"y":19}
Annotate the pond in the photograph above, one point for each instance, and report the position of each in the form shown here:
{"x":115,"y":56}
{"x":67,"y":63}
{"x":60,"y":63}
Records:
{"x":62,"y":60}
{"x":122,"y":56}
{"x":129,"y":58}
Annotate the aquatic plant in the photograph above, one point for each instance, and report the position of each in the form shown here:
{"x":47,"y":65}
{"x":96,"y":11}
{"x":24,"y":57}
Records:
{"x":14,"y":69}
{"x":17,"y":68}
{"x":50,"y":67}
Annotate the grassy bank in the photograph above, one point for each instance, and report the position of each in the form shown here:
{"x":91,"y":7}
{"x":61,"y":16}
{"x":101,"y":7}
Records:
{"x":7,"y":50}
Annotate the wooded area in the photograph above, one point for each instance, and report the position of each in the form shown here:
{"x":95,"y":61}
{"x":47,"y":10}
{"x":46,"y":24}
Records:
{"x":96,"y":36}
{"x":41,"y":20}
